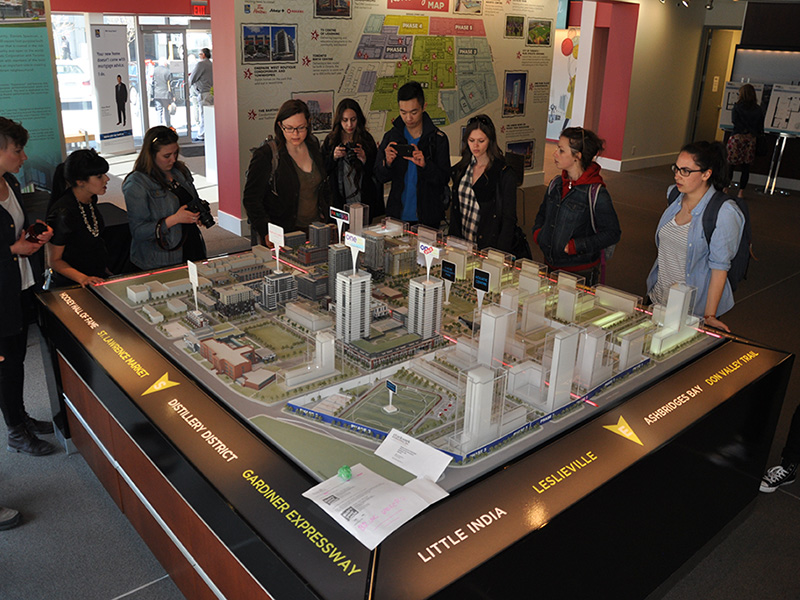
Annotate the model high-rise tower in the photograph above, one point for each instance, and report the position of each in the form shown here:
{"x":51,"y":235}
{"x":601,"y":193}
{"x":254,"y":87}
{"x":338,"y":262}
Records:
{"x":425,"y":297}
{"x":353,"y":294}
{"x":338,"y":260}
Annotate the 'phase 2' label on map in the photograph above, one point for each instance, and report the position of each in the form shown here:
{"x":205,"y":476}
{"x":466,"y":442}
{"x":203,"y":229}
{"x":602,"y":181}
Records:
{"x":431,"y":5}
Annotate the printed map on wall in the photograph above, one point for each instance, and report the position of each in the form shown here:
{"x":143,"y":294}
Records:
{"x":489,"y":56}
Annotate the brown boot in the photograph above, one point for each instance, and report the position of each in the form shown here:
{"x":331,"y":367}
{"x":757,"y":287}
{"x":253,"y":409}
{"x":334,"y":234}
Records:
{"x":22,"y":440}
{"x":36,"y":426}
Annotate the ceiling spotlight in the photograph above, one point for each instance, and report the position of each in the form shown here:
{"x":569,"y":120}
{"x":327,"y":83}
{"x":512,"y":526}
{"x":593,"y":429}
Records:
{"x":663,"y":1}
{"x":684,"y":3}
{"x":710,"y":5}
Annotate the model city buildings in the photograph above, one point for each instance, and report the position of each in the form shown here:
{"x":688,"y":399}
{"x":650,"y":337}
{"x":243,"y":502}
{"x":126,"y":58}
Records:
{"x":538,"y":347}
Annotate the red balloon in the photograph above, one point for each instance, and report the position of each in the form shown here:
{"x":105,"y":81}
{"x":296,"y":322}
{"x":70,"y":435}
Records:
{"x":566,"y":47}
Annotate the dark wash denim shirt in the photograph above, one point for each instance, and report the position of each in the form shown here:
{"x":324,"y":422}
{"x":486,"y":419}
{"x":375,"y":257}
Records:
{"x":563,"y":219}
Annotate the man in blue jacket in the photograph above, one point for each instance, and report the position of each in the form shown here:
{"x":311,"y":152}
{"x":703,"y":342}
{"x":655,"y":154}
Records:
{"x":415,"y":156}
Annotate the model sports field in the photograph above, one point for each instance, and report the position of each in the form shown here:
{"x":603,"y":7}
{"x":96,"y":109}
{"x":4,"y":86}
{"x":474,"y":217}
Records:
{"x":412,"y":404}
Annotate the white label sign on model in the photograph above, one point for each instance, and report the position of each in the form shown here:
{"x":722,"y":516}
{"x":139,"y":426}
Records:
{"x":429,"y":252}
{"x":340,"y":216}
{"x":276,"y":239}
{"x":357,"y":244}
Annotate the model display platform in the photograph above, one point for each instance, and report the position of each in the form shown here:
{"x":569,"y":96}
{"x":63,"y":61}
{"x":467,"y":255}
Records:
{"x":572,"y":416}
{"x":484,"y":385}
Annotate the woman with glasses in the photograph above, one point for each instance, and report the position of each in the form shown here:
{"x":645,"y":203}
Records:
{"x":684,"y":255}
{"x":484,"y":208}
{"x":350,"y":152}
{"x":577,"y":221}
{"x":77,"y":252}
{"x":289,"y":191}
{"x":164,"y":230}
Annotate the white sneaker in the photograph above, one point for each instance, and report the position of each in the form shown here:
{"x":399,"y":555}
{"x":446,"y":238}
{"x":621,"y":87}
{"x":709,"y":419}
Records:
{"x":775,"y":477}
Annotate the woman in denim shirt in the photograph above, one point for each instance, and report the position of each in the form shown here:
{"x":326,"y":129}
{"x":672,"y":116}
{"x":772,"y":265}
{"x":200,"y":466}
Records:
{"x":563,"y":228}
{"x":156,"y":192}
{"x":684,"y":256}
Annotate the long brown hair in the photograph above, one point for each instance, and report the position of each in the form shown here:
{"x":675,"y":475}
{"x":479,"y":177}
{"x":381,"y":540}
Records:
{"x":484,"y":123}
{"x":288,"y":109}
{"x":156,"y":138}
{"x":747,"y":96}
{"x":335,"y":136}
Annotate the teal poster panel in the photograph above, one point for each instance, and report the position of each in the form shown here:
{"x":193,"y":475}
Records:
{"x":28,"y":96}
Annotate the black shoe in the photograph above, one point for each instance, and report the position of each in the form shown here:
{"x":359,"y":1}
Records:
{"x":36,"y":426}
{"x":9,"y":518}
{"x":22,"y":440}
{"x":775,"y":477}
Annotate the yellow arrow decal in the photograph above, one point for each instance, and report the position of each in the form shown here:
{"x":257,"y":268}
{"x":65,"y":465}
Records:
{"x":622,"y":428}
{"x":162,"y":384}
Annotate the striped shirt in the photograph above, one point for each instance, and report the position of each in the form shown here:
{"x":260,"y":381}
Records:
{"x":673,"y":240}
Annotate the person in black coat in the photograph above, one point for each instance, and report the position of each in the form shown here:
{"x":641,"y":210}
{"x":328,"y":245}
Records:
{"x":748,"y":124}
{"x":484,"y":208}
{"x":419,"y":192}
{"x":16,"y":300}
{"x":290,"y":191}
{"x":77,"y":252}
{"x":350,"y":152}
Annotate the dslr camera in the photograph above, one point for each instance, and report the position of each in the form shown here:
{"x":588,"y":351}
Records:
{"x":350,"y":149}
{"x":202,"y":207}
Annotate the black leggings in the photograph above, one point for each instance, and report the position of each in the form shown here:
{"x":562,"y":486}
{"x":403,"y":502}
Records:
{"x":745,"y":169}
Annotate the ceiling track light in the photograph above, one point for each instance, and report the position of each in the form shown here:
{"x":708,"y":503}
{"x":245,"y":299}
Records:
{"x":710,"y":5}
{"x":684,"y":3}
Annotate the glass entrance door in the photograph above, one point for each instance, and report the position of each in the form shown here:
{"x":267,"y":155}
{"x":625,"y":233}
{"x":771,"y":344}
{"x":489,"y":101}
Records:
{"x":164,"y":64}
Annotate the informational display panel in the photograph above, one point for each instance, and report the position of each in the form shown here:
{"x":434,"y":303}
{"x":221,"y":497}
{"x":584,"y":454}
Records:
{"x":110,"y":70}
{"x":729,"y":98}
{"x":27,"y":91}
{"x":471,"y":57}
{"x":783,"y":113}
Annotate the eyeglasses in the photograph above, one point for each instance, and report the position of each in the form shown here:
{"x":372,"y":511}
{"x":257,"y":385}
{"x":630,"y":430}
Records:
{"x":300,"y":129}
{"x":685,"y":172}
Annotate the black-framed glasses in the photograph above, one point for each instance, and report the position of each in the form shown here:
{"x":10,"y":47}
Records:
{"x":299,"y":129}
{"x":684,"y":171}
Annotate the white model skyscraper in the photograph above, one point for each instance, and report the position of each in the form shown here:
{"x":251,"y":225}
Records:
{"x":353,"y":293}
{"x":425,"y":297}
{"x":338,"y":260}
{"x":478,"y":427}
{"x":494,"y":329}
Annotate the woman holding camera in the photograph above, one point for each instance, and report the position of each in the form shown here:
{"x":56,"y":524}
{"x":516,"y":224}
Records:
{"x":349,"y":152}
{"x":164,"y":208}
{"x":285,"y":182}
{"x":77,"y":252}
{"x":484,"y":207}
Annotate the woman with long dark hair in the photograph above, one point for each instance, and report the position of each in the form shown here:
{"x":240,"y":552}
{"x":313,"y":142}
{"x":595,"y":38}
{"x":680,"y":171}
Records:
{"x":77,"y":251}
{"x":285,"y":182}
{"x":684,"y":255}
{"x":577,"y":221}
{"x":484,"y":208}
{"x":349,"y":152}
{"x":748,"y":124}
{"x":157,"y":192}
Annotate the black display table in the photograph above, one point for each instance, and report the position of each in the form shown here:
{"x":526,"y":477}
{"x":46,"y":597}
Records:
{"x":617,"y":503}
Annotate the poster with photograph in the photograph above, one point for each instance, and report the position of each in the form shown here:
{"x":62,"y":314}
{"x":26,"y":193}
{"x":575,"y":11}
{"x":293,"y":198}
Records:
{"x":514,"y":93}
{"x":525,"y":149}
{"x":539,"y":32}
{"x":515,"y":27}
{"x":109,"y":53}
{"x":470,"y":56}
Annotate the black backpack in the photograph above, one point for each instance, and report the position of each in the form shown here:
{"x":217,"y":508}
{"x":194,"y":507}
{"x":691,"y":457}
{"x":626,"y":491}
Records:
{"x":741,"y":260}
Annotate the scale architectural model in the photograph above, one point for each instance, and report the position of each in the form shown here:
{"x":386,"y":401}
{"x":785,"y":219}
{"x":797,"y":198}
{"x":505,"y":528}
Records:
{"x":484,"y":357}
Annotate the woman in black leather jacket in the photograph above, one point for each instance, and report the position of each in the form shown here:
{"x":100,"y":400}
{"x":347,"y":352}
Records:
{"x":570,"y":239}
{"x":484,"y":208}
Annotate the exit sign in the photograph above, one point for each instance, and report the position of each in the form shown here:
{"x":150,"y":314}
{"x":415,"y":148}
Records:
{"x":200,"y":8}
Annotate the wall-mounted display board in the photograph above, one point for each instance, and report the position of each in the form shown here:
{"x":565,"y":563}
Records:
{"x":729,"y":98}
{"x":471,"y":57}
